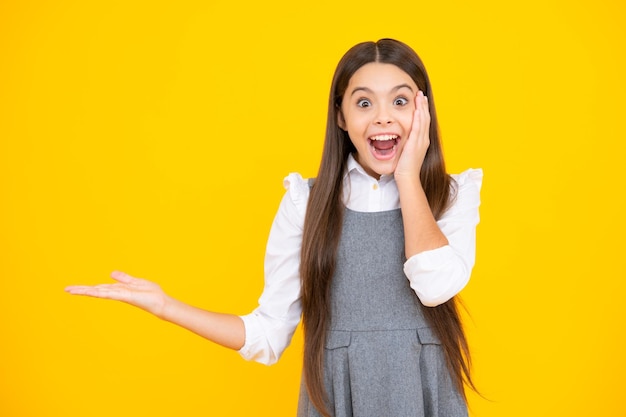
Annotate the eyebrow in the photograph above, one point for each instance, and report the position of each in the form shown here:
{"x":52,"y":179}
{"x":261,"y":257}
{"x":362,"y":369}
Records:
{"x":368,"y":90}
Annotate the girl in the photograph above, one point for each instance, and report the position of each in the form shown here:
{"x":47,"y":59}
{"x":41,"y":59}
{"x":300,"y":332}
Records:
{"x":370,"y":254}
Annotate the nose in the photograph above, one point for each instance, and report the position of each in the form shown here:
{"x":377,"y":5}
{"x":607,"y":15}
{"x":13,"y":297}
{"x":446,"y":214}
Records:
{"x":383,"y":117}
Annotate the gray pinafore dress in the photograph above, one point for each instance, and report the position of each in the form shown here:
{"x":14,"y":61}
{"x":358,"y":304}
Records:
{"x":381,"y":357}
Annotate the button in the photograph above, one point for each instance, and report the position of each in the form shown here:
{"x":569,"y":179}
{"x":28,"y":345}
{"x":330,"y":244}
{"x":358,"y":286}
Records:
{"x":375,"y":187}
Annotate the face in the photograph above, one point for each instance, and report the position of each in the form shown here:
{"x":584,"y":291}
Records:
{"x":377,"y":112}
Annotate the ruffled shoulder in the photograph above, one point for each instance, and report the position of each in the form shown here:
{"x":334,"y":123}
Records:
{"x":298,"y":191}
{"x":465,"y":194}
{"x":472,"y":178}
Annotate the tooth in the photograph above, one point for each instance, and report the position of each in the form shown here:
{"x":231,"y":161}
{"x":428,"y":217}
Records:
{"x":384,"y":137}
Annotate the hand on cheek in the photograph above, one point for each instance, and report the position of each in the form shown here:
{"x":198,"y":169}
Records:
{"x":416,"y":145}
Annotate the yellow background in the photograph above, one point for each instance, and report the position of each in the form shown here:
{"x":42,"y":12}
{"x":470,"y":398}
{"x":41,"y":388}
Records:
{"x":153,"y":137}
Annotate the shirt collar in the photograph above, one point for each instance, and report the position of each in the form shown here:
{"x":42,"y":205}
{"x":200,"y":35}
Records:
{"x":353,"y":167}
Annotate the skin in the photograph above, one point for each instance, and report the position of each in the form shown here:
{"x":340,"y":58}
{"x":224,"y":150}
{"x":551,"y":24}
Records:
{"x":380,"y":98}
{"x":224,"y":329}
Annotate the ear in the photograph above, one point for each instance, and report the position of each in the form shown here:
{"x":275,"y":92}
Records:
{"x":340,"y":119}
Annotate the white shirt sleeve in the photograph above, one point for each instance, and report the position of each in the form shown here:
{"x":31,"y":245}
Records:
{"x":438,"y":275}
{"x":271,"y":325}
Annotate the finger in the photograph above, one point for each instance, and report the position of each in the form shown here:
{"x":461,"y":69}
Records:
{"x":416,"y":128}
{"x":426,"y":108}
{"x":122,"y":277}
{"x":74,"y":289}
{"x":108,"y":291}
{"x":83,"y":290}
{"x":422,"y":104}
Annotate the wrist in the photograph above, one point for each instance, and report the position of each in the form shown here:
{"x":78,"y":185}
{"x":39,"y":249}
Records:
{"x":408,"y":181}
{"x":166,"y":312}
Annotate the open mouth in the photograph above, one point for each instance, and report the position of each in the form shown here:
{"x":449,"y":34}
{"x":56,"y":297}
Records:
{"x":384,"y":146}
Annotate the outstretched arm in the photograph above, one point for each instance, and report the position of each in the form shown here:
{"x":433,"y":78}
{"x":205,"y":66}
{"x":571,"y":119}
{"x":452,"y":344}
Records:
{"x":224,"y":329}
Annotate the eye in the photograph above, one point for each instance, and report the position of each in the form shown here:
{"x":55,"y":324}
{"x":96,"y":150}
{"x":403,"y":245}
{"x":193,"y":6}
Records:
{"x":363,"y":103}
{"x":401,"y":101}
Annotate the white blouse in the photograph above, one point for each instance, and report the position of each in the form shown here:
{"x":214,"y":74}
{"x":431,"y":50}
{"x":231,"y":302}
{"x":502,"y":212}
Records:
{"x":435,"y":275}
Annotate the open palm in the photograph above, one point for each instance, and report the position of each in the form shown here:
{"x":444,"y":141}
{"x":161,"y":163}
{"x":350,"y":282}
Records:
{"x":135,"y":291}
{"x":410,"y":162}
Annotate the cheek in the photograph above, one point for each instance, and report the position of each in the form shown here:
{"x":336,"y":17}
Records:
{"x":406,"y":120}
{"x":357,"y":125}
{"x":401,"y":147}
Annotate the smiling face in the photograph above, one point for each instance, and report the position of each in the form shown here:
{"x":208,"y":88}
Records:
{"x":377,"y":112}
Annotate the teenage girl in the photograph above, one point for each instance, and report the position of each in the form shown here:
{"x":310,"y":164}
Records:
{"x":370,"y":255}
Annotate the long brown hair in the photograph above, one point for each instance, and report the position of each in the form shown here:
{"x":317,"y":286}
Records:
{"x":323,"y":222}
